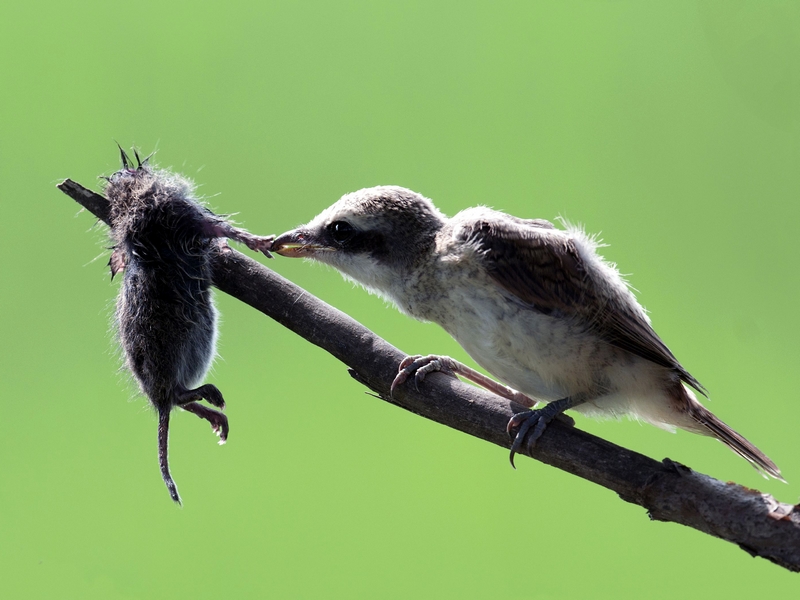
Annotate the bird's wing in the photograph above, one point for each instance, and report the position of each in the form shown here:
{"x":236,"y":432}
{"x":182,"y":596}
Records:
{"x":542,"y":267}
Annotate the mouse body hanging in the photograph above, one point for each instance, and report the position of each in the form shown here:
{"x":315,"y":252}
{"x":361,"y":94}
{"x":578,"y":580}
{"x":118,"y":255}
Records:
{"x":165,"y":315}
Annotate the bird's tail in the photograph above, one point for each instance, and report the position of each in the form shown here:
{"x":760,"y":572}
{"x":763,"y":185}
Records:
{"x":163,"y":439}
{"x":709,"y":424}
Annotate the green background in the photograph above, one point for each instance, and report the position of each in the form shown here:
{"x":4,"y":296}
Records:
{"x":669,"y":127}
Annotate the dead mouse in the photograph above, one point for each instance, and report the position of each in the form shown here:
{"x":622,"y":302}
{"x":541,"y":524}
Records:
{"x":165,"y":316}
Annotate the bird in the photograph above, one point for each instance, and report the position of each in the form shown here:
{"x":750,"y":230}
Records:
{"x":535,"y":305}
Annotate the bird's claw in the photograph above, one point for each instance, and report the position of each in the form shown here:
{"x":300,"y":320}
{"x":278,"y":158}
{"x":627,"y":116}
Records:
{"x":524,"y":421}
{"x":420,"y":366}
{"x":403,"y":371}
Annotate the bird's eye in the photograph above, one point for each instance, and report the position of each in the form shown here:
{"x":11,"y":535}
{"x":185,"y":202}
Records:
{"x":341,"y":232}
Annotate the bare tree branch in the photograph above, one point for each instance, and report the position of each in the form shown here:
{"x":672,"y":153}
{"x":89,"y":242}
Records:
{"x":669,"y":491}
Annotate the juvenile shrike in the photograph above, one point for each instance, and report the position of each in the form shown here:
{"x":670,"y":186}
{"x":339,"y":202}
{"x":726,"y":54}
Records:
{"x":534,"y":305}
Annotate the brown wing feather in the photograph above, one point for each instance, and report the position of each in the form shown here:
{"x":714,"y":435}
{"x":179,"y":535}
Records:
{"x":548,"y":273}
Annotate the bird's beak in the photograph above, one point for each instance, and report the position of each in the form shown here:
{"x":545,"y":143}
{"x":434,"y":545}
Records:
{"x":297,"y":243}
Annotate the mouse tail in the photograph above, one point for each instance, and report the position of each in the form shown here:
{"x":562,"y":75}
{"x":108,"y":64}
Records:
{"x":163,"y":443}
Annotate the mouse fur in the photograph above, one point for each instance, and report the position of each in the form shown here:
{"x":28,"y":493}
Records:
{"x":165,"y":316}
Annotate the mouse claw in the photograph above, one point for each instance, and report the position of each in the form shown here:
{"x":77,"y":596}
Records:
{"x":218,"y":421}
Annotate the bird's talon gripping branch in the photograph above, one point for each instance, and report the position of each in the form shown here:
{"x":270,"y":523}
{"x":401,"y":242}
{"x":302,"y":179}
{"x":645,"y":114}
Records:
{"x":403,"y":372}
{"x":420,"y":366}
{"x":538,"y":419}
{"x":515,"y":421}
{"x":524,"y":421}
{"x":433,"y":364}
{"x":409,"y":360}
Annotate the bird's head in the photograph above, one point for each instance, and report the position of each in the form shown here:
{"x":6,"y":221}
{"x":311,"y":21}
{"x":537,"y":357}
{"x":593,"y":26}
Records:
{"x":373,"y":236}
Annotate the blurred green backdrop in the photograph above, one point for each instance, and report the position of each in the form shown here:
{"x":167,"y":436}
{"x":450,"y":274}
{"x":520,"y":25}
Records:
{"x":670,"y":127}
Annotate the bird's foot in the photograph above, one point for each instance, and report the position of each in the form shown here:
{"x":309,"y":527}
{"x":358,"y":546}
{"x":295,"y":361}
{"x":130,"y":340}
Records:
{"x":537,"y":419}
{"x":420,"y":366}
{"x":218,"y":421}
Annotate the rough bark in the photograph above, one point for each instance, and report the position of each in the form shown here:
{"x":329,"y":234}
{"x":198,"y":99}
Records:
{"x":669,"y":491}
